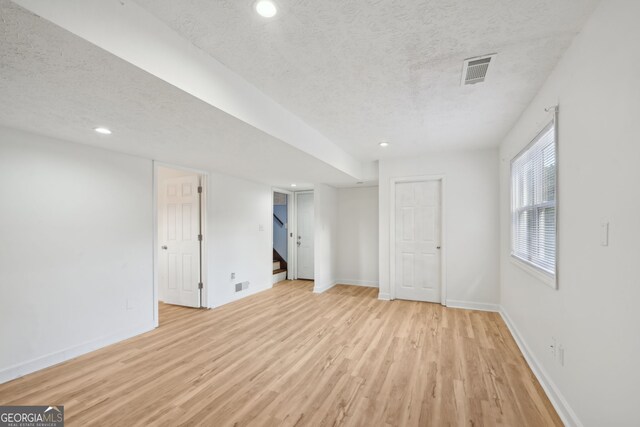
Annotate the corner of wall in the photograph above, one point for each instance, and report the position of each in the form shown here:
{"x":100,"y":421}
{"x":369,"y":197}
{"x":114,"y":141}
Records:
{"x":318,"y":289}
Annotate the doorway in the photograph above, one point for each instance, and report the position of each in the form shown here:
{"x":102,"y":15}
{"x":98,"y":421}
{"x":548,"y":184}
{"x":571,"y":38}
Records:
{"x":180,"y":201}
{"x":281,"y":235}
{"x":416,"y":239}
{"x":305,"y":229}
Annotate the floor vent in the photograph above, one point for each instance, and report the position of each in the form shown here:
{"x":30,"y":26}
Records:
{"x":475,"y":69}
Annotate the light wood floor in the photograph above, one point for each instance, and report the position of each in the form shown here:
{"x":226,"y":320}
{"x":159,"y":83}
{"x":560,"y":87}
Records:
{"x":290,"y":357}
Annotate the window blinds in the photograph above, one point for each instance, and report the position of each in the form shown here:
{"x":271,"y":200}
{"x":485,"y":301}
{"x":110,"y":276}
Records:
{"x":533,"y":202}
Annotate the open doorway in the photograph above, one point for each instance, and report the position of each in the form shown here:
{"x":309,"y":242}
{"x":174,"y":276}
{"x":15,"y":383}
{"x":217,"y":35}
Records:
{"x":293,"y":235}
{"x":282,"y":235}
{"x":180,"y":236}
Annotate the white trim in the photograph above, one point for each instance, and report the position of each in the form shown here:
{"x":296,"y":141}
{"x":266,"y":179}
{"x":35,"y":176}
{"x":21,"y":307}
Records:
{"x":42,"y":362}
{"x":236,"y":296}
{"x":293,"y":265}
{"x":566,"y":413}
{"x":392,"y":225}
{"x":316,"y":290}
{"x":155,"y":252}
{"x":383,"y":296}
{"x":545,"y":278}
{"x":204,"y":182}
{"x":366,"y":283}
{"x":469,"y":305}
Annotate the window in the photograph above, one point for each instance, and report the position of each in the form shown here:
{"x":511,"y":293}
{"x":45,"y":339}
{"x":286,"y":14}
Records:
{"x":533,"y":203}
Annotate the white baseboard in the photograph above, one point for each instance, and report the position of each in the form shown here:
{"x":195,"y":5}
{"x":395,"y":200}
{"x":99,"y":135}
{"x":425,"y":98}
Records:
{"x":242,"y":294}
{"x":33,"y":365}
{"x":468,"y":305}
{"x":568,"y":416}
{"x":384,"y":296}
{"x":367,"y":283}
{"x":317,"y":290}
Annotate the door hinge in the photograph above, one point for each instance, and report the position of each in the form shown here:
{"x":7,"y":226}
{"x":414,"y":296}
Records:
{"x":200,"y":285}
{"x":199,"y":188}
{"x":200,"y":237}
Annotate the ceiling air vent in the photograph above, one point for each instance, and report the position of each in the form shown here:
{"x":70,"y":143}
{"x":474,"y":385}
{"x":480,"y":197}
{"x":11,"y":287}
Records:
{"x":475,"y":69}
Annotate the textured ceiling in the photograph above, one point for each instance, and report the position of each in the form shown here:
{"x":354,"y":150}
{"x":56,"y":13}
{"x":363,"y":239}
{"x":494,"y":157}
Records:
{"x":365,"y":70}
{"x":56,"y":84}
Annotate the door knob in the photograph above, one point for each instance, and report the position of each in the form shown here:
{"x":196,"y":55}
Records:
{"x":164,"y":248}
{"x":437,"y":247}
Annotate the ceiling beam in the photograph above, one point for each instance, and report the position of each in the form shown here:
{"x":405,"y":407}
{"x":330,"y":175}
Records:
{"x":128,"y":31}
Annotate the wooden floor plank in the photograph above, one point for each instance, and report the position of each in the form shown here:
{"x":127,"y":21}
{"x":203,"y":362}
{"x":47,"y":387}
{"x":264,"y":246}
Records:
{"x":287,"y":356}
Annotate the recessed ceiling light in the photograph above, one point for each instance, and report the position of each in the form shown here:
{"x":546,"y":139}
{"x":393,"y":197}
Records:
{"x":103,"y":131}
{"x":266,"y":8}
{"x":293,"y":185}
{"x":384,"y":144}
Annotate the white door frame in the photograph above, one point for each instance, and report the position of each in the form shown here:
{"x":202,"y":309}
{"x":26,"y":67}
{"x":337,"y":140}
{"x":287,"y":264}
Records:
{"x":295,"y":230}
{"x":204,"y":181}
{"x":392,"y":235}
{"x":291,"y":242}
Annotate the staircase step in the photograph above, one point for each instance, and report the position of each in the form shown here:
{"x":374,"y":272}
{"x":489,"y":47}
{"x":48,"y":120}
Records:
{"x":276,"y":265}
{"x":279,"y":277}
{"x":279,"y":270}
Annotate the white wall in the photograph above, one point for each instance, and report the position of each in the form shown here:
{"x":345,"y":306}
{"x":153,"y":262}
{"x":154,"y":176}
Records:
{"x":239,"y":235}
{"x":166,"y":172}
{"x":470,"y":243}
{"x":238,"y":228}
{"x":594,"y":314}
{"x":358,"y":236}
{"x":76,"y":260}
{"x":325,"y":199}
{"x":76,"y":256}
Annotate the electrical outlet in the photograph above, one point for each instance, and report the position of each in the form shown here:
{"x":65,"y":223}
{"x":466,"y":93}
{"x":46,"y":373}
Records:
{"x":233,"y":276}
{"x":552,"y":347}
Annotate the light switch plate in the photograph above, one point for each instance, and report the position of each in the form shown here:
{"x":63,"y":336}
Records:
{"x":604,"y":233}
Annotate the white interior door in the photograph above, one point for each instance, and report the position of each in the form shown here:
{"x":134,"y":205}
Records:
{"x":305,"y":230}
{"x":179,"y":269}
{"x":417,"y":240}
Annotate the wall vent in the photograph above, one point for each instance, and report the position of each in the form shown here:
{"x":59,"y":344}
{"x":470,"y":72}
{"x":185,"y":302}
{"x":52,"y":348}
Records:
{"x":242,"y":286}
{"x":475,"y":69}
